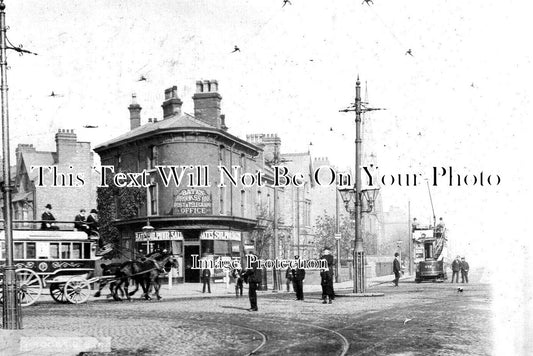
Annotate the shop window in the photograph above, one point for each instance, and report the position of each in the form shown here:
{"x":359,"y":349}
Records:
{"x":30,"y":250}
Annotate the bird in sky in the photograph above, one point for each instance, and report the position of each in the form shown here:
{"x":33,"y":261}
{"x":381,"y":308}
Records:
{"x":142,"y":78}
{"x":331,"y":129}
{"x":368,"y":2}
{"x":54,"y":94}
{"x":420,"y":134}
{"x":90,"y":126}
{"x":236,"y":49}
{"x":409,"y":52}
{"x":285,"y":2}
{"x":472,"y":85}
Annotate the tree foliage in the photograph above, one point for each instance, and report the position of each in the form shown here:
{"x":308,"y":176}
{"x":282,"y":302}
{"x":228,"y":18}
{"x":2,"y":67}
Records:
{"x":325,"y":234}
{"x":117,"y":203}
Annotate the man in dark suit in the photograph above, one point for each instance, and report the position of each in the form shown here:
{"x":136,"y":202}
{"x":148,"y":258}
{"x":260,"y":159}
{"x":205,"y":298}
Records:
{"x":47,"y":219}
{"x":464,"y":270}
{"x":298,"y":277}
{"x":456,"y":267}
{"x":252,"y":276}
{"x":206,"y":277}
{"x":326,"y":277}
{"x":396,"y":268}
{"x":92,"y":222}
{"x":80,"y":222}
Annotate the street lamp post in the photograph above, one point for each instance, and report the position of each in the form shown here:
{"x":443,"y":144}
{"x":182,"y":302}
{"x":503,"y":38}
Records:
{"x":356,"y":193}
{"x":12,"y":317}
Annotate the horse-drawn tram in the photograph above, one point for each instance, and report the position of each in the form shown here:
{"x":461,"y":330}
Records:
{"x":59,"y":260}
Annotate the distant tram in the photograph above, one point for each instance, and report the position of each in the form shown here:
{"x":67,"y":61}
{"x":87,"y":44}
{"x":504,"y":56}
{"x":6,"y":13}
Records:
{"x":429,"y":243}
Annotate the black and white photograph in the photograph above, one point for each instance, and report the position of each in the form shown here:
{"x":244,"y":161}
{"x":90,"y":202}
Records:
{"x":265,"y":177}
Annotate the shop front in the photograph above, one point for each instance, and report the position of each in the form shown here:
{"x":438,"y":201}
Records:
{"x":188,"y":243}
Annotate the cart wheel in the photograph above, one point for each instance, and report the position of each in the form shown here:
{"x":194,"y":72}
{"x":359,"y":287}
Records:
{"x":56,"y":292}
{"x":77,"y":290}
{"x":30,"y":286}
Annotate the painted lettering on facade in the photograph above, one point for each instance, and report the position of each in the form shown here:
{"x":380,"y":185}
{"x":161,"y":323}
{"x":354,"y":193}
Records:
{"x":193,"y":202}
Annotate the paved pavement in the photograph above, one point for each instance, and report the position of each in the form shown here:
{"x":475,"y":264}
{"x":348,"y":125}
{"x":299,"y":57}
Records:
{"x":413,"y":319}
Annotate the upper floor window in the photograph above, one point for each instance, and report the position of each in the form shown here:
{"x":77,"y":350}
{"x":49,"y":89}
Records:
{"x":152,"y":157}
{"x":152,"y":199}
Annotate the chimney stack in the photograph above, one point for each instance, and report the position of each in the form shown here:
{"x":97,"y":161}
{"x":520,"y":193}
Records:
{"x":207,"y":103}
{"x":135,"y":113}
{"x":66,"y":142}
{"x":172,"y":104}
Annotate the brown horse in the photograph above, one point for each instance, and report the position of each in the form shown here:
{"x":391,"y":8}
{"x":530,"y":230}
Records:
{"x":145,"y":273}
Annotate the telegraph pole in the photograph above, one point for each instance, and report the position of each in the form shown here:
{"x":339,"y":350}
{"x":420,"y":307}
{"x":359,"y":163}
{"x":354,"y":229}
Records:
{"x":12,"y":317}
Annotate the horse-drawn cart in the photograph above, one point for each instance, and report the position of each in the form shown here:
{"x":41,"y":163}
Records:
{"x":63,"y":261}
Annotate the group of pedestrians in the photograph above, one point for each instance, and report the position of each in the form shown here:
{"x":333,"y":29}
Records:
{"x":460,"y":265}
{"x":87,"y":224}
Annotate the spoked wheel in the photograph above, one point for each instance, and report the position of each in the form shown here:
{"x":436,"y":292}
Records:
{"x":56,"y":292}
{"x":30,"y":286}
{"x":77,"y":290}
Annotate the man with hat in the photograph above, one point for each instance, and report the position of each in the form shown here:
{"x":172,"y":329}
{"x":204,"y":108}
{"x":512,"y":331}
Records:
{"x":456,"y":267}
{"x":47,"y":217}
{"x":253,"y":277}
{"x":326,"y":277}
{"x":298,"y":277}
{"x":92,"y":222}
{"x":396,"y":268}
{"x":80,"y":222}
{"x":464,"y":270}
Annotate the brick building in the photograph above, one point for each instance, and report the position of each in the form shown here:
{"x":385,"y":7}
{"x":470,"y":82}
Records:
{"x":66,"y":180}
{"x":199,"y":219}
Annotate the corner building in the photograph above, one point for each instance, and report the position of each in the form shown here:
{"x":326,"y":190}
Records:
{"x":208,"y":221}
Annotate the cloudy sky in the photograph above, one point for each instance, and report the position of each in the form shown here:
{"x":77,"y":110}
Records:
{"x":460,"y":100}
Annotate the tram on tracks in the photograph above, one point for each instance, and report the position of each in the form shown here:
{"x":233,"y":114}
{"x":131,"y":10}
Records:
{"x":62,"y":261}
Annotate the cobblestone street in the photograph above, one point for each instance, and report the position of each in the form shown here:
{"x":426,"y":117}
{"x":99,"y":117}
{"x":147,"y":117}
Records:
{"x":441,"y":321}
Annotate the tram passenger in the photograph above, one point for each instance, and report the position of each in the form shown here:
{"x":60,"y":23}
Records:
{"x":47,"y":217}
{"x":80,"y":222}
{"x":92,"y":222}
{"x":298,"y":277}
{"x":464,"y":270}
{"x":456,"y":267}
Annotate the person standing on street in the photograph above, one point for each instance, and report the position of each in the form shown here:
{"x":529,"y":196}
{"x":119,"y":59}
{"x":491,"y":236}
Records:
{"x":252,"y":276}
{"x":396,"y":268}
{"x":298,"y":277}
{"x":237,"y":276}
{"x":456,"y":267}
{"x":288,"y":279}
{"x":206,"y":277}
{"x":326,"y":277}
{"x":464,"y":270}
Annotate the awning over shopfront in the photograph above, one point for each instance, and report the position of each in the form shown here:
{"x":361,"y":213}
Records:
{"x":206,"y":222}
